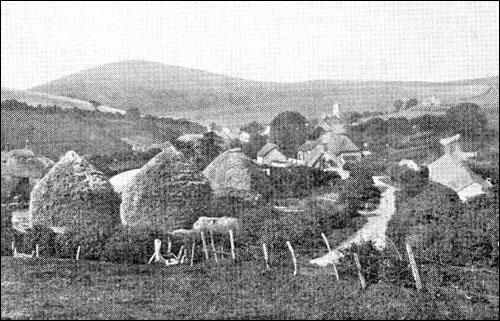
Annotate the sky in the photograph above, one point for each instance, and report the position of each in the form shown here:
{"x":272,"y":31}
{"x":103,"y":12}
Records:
{"x":272,"y":41}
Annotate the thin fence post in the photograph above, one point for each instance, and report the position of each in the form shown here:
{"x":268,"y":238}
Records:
{"x":358,"y":267}
{"x":231,"y":239}
{"x":36,"y":250}
{"x":397,"y":251}
{"x":204,"y":243}
{"x":266,"y":257}
{"x":414,"y":268}
{"x":330,"y":251}
{"x":294,"y":259}
{"x":213,"y":246}
{"x":221,"y":249}
{"x":192,"y":252}
{"x":179,"y":255}
{"x":78,"y":253}
{"x":169,"y":245}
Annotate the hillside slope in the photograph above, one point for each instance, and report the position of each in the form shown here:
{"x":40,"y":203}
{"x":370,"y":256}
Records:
{"x":52,"y":132}
{"x":172,"y":91}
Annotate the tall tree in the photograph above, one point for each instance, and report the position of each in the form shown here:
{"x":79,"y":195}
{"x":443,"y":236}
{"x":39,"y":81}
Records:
{"x":467,"y":119}
{"x":208,"y":148}
{"x":288,"y":131}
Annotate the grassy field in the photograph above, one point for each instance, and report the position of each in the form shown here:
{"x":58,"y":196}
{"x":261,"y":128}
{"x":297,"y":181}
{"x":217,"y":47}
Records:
{"x":56,"y":289}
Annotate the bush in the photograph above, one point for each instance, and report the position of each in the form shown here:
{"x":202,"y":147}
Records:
{"x":7,"y":231}
{"x":330,"y":216}
{"x":91,"y":242}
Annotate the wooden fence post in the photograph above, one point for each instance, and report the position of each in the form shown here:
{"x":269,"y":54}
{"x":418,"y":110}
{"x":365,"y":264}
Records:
{"x":231,"y":239}
{"x":78,"y":253}
{"x":330,"y":251}
{"x":213,"y":246}
{"x":192,"y":252}
{"x":414,"y":268}
{"x":360,"y":275}
{"x":169,"y":244}
{"x":179,"y":255}
{"x":36,"y":250}
{"x":266,"y":257}
{"x":294,"y":259}
{"x":204,"y":243}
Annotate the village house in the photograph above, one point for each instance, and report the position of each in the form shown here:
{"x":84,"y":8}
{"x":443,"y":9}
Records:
{"x":144,"y":144}
{"x":270,"y":155}
{"x":330,"y":152}
{"x":450,"y":170}
{"x":21,"y":170}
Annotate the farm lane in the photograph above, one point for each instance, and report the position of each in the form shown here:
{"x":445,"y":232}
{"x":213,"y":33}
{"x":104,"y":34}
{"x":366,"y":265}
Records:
{"x":374,"y":230}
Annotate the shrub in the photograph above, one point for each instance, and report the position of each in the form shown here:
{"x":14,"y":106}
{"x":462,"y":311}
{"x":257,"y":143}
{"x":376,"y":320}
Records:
{"x":330,"y":215}
{"x":91,"y":242}
{"x":7,"y":231}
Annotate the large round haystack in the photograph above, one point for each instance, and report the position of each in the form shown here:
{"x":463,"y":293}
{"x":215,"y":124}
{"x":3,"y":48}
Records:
{"x":232,"y":170}
{"x":74,"y":194}
{"x":26,"y":165}
{"x":166,"y":194}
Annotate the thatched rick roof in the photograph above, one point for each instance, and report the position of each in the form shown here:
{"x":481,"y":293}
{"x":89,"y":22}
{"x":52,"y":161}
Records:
{"x":122,"y":180}
{"x":166,"y":194}
{"x":232,"y":170}
{"x":74,"y":194}
{"x":24,"y":163}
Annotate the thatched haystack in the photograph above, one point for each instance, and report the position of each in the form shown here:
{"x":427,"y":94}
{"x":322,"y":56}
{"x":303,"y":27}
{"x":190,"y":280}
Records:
{"x":220,"y":225}
{"x":233,"y":170}
{"x":122,"y":180}
{"x":74,"y":194}
{"x":167,"y":194}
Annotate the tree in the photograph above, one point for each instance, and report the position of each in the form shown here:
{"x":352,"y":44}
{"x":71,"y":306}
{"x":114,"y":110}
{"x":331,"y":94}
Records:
{"x":208,"y":148}
{"x":411,"y":103}
{"x":467,"y":119}
{"x":254,"y":145}
{"x":253,"y":128}
{"x":288,"y":131}
{"x":398,"y":104}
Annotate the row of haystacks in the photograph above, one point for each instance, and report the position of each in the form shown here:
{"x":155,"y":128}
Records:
{"x":166,"y":194}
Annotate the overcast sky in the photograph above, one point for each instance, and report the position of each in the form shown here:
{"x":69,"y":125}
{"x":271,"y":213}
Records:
{"x":431,"y":41}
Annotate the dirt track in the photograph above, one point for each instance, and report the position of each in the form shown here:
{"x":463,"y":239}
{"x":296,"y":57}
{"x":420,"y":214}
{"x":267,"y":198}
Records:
{"x":374,"y":230}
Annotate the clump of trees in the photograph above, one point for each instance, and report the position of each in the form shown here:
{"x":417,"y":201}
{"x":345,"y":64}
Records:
{"x":288,"y":131}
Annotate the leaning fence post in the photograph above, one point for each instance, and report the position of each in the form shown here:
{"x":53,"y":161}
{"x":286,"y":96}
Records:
{"x":358,"y":267}
{"x":78,"y":253}
{"x":294,"y":259}
{"x":414,"y":268}
{"x":204,"y":243}
{"x":192,"y":253}
{"x":179,"y":255}
{"x":266,"y":257}
{"x":213,"y":246}
{"x":330,"y":251}
{"x":231,"y":239}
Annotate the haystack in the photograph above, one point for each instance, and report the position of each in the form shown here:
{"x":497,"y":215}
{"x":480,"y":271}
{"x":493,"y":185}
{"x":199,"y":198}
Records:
{"x":166,"y":194}
{"x":74,"y":194}
{"x":232,"y":170}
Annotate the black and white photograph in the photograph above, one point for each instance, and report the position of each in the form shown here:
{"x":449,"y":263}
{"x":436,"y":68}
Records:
{"x":261,"y":160}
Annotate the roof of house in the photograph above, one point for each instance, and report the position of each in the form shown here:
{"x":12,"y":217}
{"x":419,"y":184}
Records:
{"x":451,"y":171}
{"x":308,"y":145}
{"x":24,"y":163}
{"x":266,"y":149}
{"x":312,"y":158}
{"x":338,"y":144}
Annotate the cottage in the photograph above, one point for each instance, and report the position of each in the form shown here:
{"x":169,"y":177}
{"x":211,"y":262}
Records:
{"x":269,"y":154}
{"x":451,"y":171}
{"x":21,"y":170}
{"x":144,"y":144}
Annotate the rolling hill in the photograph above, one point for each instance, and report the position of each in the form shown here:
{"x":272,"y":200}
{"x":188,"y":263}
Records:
{"x":178,"y":92}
